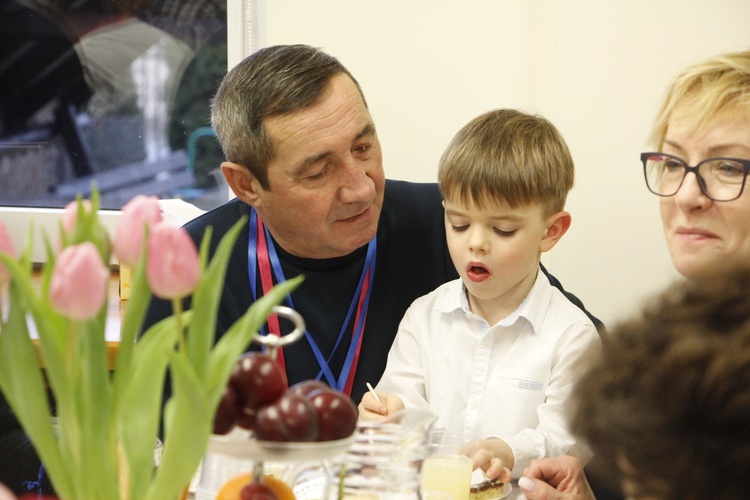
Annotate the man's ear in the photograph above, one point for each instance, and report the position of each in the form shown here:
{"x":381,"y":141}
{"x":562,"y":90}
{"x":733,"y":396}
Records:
{"x":557,"y":226}
{"x":243,"y":184}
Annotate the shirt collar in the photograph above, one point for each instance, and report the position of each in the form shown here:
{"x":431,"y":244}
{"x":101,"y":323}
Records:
{"x":532,"y":308}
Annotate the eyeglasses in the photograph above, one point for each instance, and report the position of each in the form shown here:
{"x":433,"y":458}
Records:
{"x":720,"y":179}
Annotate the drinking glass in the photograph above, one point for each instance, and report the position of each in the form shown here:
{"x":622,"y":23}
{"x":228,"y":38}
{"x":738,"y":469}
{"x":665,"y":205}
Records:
{"x":448,"y":465}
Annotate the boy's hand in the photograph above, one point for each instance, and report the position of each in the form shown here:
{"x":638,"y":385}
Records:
{"x":495,"y":458}
{"x":372,"y":409}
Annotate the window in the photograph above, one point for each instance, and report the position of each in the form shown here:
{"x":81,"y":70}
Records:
{"x":112,"y":92}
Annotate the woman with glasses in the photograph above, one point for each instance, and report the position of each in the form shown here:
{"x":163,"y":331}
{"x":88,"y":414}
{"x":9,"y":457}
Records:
{"x":700,"y":168}
{"x":700,"y":171}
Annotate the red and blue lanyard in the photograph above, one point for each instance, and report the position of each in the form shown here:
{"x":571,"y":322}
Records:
{"x":262,"y":259}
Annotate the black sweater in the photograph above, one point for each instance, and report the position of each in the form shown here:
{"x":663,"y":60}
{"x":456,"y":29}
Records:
{"x":412,"y":260}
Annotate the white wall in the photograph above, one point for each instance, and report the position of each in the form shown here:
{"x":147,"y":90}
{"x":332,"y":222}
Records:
{"x":596,"y":68}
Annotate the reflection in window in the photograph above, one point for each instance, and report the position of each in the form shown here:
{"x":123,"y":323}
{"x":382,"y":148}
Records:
{"x":112,"y":91}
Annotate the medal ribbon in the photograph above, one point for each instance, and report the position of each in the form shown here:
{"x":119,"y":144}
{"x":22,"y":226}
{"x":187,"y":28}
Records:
{"x":261,"y":252}
{"x":266,"y":279}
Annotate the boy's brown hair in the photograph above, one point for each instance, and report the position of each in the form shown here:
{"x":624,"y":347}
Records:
{"x":508,"y":156}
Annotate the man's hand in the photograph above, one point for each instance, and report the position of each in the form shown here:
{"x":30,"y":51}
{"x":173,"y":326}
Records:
{"x":560,"y":478}
{"x":372,"y":409}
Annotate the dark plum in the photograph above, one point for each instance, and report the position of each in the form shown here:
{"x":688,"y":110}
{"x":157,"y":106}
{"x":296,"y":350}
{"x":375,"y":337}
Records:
{"x":257,"y":491}
{"x":246,"y":418}
{"x":258,"y":380}
{"x":227,"y":411}
{"x":305,"y":387}
{"x":337,"y":415}
{"x":291,"y":418}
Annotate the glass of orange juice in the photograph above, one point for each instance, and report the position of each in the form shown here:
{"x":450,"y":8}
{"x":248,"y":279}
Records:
{"x":448,"y":464}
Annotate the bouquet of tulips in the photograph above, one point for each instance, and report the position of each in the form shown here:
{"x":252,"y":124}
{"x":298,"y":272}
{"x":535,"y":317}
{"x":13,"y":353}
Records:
{"x":107,"y":422}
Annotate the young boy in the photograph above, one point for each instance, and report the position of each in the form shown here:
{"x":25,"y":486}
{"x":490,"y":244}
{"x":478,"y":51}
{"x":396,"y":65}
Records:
{"x":494,"y":353}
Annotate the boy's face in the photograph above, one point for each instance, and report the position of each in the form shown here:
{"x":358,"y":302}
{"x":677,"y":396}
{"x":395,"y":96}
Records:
{"x":496,"y":251}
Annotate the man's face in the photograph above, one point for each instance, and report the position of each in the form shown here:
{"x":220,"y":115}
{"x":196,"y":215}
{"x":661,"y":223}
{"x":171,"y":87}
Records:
{"x":326,"y":180}
{"x":706,"y":237}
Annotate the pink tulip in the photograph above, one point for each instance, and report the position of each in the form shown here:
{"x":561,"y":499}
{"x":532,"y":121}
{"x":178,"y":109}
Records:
{"x":89,"y":230}
{"x":173,"y":269}
{"x":79,"y":282}
{"x":70,"y":213}
{"x":6,"y":246}
{"x":139,"y":213}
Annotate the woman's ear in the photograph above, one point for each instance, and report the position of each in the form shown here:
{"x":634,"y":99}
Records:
{"x":243,"y":184}
{"x":557,"y":226}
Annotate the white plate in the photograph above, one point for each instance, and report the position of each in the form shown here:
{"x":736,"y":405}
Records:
{"x":241,"y":444}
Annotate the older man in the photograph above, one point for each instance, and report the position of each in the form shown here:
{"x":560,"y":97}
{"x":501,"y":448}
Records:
{"x":305,"y":162}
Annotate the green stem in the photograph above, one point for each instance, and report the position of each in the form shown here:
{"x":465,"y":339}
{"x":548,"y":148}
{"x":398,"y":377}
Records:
{"x":68,"y":415}
{"x":177,"y":308}
{"x":70,"y":350}
{"x":4,"y":292}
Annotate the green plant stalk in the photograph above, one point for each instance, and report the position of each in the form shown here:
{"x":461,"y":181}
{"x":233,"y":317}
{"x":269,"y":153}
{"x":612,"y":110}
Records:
{"x":93,"y":399}
{"x":141,"y":403}
{"x":103,"y":449}
{"x":141,"y":398}
{"x":21,"y":379}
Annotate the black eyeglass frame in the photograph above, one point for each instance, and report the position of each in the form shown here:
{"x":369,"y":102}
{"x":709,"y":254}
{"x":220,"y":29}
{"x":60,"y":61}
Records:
{"x":695,"y":169}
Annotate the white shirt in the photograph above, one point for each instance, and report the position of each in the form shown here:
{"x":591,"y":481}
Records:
{"x":510,"y":380}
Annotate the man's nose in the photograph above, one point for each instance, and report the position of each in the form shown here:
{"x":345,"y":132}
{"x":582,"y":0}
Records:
{"x":355,"y":184}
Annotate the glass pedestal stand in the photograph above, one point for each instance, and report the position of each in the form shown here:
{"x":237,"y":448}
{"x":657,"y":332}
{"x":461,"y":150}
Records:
{"x":297,"y":464}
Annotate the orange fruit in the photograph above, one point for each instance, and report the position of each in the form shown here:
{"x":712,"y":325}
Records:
{"x":233,"y":487}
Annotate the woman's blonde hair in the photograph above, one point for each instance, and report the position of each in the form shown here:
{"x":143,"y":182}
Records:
{"x":703,"y":90}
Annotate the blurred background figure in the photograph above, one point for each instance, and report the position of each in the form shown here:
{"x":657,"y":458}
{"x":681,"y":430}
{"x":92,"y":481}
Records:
{"x":666,"y":407}
{"x":93,"y":85}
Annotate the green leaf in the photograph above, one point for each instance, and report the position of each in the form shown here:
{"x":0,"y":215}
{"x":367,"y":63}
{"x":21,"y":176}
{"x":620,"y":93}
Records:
{"x":88,"y":228}
{"x":49,"y":266}
{"x":189,"y":421}
{"x":234,"y":342}
{"x":50,"y":325}
{"x":205,"y":246}
{"x":205,"y":303}
{"x":142,"y":400}
{"x":22,"y":382}
{"x":93,"y":397}
{"x":106,"y":422}
{"x":132,"y":322}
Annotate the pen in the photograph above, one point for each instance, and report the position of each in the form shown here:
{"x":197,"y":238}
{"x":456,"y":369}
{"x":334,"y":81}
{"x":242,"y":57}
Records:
{"x":372,"y":391}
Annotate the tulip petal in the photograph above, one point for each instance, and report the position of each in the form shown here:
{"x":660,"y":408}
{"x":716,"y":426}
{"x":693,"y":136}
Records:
{"x":6,"y":246}
{"x":139,"y":213}
{"x":79,"y":282}
{"x":173,"y":267}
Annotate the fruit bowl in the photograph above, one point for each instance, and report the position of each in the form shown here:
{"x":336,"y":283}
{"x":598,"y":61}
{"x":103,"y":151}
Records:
{"x":240,"y":443}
